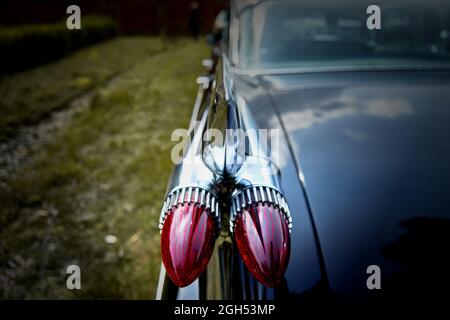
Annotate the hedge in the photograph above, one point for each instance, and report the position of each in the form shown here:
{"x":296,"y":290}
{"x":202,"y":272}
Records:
{"x":25,"y":46}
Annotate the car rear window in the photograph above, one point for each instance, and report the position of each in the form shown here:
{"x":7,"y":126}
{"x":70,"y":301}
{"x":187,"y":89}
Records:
{"x":280,"y":34}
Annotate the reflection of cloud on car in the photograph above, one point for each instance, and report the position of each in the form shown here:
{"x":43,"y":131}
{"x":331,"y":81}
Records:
{"x":319,"y":112}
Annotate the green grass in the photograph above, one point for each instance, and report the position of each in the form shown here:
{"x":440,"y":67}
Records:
{"x":104,"y":174}
{"x":23,"y":46}
{"x":29,"y":96}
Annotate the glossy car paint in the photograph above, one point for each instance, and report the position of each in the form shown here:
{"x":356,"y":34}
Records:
{"x":373,"y":151}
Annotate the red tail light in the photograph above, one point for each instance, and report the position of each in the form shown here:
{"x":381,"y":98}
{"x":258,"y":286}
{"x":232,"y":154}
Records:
{"x":188,"y":234}
{"x":262,"y":233}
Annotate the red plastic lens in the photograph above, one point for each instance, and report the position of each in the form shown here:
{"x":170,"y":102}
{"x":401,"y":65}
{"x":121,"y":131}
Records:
{"x":187,"y":242}
{"x":263,"y":240}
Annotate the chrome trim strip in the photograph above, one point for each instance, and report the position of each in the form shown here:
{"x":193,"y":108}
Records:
{"x":183,"y":194}
{"x":329,"y":69}
{"x":189,"y":199}
{"x":202,"y":197}
{"x":275,"y":197}
{"x":255,"y":194}
{"x":196,"y":194}
{"x":249,"y":197}
{"x":263,"y":197}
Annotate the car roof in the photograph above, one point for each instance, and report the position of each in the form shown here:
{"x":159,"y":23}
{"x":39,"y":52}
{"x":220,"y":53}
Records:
{"x":242,"y":4}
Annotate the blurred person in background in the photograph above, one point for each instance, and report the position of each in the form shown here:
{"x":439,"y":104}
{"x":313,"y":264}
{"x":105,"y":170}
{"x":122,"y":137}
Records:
{"x":194,"y":19}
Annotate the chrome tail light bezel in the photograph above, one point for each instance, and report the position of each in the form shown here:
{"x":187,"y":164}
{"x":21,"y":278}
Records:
{"x":253,"y":194}
{"x":191,"y":195}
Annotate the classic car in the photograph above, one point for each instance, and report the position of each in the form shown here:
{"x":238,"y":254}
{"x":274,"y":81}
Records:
{"x":353,"y":199}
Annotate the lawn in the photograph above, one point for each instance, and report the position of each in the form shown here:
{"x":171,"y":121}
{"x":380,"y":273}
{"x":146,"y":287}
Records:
{"x":29,"y":96}
{"x":103,"y":177}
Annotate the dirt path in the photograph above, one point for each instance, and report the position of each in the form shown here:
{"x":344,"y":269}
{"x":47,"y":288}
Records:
{"x":17,"y":151}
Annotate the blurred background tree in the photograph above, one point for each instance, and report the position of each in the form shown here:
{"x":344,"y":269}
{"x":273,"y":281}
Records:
{"x":153,"y":17}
